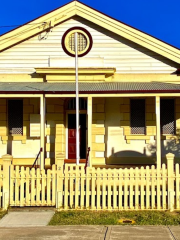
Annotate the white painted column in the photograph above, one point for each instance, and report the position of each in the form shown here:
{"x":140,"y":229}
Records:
{"x":42,"y":130}
{"x":89,"y":113}
{"x":158,"y":133}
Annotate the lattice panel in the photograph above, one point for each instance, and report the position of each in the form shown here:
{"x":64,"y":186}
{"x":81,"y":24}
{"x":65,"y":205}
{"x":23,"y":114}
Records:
{"x":82,"y":42}
{"x":137,"y":116}
{"x":15,"y":117}
{"x":167,"y":116}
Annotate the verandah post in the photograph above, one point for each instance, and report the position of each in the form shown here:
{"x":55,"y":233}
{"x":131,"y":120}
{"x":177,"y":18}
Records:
{"x":42,"y":131}
{"x":60,"y":180}
{"x":158,"y":133}
{"x":89,"y":112}
{"x":7,"y":160}
{"x":170,"y":169}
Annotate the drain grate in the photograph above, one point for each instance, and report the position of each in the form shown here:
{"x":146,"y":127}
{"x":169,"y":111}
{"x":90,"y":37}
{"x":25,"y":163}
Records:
{"x":126,"y":221}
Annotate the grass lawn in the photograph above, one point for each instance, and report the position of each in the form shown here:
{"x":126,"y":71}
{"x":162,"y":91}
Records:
{"x":86,"y":217}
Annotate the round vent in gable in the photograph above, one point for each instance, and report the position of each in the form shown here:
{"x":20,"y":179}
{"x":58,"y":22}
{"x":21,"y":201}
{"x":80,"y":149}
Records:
{"x":84,"y":41}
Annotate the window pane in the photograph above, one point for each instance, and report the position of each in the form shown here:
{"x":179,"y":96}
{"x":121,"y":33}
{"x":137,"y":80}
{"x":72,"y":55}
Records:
{"x":167,"y":116}
{"x":15,"y":116}
{"x":137,"y":116}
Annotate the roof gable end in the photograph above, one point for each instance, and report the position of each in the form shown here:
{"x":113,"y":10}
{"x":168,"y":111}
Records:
{"x":51,"y":19}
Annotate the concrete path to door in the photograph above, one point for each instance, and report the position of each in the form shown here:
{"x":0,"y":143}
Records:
{"x":26,"y":219}
{"x":91,"y":233}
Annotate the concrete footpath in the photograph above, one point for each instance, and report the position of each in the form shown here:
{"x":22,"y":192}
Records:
{"x":91,"y":233}
{"x":32,"y":224}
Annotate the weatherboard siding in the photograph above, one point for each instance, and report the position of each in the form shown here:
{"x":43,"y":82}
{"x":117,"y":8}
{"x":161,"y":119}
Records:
{"x":125,"y":57}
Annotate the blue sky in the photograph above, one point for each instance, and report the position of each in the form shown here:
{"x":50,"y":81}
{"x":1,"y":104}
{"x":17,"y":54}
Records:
{"x":160,"y":18}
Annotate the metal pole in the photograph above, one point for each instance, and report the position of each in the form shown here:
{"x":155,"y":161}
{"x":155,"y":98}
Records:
{"x":77,"y":99}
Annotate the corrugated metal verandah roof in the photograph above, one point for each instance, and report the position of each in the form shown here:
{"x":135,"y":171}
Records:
{"x":105,"y":87}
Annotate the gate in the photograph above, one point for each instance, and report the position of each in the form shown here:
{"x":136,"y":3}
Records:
{"x":32,"y":187}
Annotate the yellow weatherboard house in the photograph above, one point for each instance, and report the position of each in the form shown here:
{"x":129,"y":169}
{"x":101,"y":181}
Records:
{"x":128,"y":87}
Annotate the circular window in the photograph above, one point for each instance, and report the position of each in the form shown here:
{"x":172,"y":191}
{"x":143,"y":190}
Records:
{"x":84,"y":41}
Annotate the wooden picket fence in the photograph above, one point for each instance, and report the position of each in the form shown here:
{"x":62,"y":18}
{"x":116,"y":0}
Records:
{"x":32,"y":187}
{"x":115,"y":189}
{"x":68,"y":186}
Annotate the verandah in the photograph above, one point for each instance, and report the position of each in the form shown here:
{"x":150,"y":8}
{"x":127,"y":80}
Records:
{"x":98,"y":128}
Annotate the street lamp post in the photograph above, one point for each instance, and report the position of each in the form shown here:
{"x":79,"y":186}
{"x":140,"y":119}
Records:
{"x":77,"y":99}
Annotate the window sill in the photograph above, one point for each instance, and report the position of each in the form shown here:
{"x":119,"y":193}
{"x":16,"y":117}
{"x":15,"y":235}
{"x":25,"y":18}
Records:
{"x":14,"y":138}
{"x":137,"y":137}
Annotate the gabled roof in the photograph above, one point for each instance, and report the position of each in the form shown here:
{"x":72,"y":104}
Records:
{"x":76,"y":8}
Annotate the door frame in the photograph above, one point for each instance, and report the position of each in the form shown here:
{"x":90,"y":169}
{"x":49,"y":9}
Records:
{"x":66,"y":131}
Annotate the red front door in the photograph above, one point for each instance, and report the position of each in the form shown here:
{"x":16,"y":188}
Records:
{"x":72,"y":143}
{"x":72,"y":136}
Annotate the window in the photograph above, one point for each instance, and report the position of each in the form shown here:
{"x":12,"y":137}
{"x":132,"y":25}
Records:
{"x":15,"y":117}
{"x":167,"y":116}
{"x":137,"y":120}
{"x":82,"y":104}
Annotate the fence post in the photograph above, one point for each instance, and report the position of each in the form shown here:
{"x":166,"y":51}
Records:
{"x":7,"y":160}
{"x":170,"y":168}
{"x":60,"y":178}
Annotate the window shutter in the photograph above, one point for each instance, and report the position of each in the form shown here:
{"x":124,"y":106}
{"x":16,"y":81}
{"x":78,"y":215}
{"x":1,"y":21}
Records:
{"x":15,"y":117}
{"x":137,"y":116}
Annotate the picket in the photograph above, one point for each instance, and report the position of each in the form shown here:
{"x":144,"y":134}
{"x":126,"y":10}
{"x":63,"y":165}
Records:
{"x":53,"y":185}
{"x":120,"y":189}
{"x":93,"y":193}
{"x":38,"y":187}
{"x":164,"y":192}
{"x":177,"y":185}
{"x":27,"y":190}
{"x":82,"y":186}
{"x":76,"y":187}
{"x":87,"y":188}
{"x":43,"y":188}
{"x":12,"y":189}
{"x":104,"y":192}
{"x":147,"y":188}
{"x":136,"y":188}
